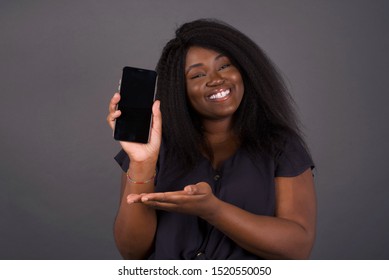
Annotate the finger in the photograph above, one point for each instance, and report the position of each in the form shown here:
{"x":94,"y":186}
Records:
{"x":199,"y":188}
{"x":114,"y":102}
{"x":167,"y":206}
{"x":113,"y":112}
{"x":158,"y":197}
{"x":134,"y":198}
{"x":190,"y":189}
{"x":157,"y":114}
{"x":111,"y":118}
{"x":156,"y":125}
{"x":169,"y":197}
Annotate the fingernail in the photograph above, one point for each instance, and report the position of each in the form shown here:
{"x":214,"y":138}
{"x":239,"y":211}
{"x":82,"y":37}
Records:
{"x":189,"y":189}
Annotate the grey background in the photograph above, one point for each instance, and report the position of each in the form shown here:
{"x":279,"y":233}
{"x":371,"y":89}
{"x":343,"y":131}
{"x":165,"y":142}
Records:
{"x":60,"y":62}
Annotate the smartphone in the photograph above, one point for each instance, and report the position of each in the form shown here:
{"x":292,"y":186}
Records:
{"x":137,"y":94}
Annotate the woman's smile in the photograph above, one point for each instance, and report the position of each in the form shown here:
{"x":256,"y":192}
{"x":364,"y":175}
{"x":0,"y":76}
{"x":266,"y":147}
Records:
{"x":214,"y":85}
{"x":220,"y":95}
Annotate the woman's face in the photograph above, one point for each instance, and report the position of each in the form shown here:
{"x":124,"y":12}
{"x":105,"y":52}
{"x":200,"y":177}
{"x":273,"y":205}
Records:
{"x":214,"y":86}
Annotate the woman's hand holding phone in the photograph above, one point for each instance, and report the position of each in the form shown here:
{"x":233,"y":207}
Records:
{"x":139,"y":153}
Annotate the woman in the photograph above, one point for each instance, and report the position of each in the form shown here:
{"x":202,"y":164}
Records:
{"x":226,"y":174}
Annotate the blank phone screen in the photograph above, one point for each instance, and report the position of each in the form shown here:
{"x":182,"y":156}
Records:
{"x":137,"y":92}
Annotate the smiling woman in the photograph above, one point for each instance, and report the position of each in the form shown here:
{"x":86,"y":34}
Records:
{"x":214,"y":86}
{"x":226,"y":174}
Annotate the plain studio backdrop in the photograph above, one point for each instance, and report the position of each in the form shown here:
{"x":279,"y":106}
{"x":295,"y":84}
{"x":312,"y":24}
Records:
{"x":60,"y":62}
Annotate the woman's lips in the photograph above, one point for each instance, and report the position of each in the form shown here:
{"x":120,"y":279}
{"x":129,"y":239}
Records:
{"x":219,"y":96}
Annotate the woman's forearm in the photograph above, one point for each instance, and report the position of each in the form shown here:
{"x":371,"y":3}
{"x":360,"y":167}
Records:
{"x":135,"y":224}
{"x":288,"y":235}
{"x":269,"y":237}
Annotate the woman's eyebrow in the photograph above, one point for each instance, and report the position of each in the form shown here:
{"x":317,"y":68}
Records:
{"x":193,"y":66}
{"x":219,"y":56}
{"x":201,"y":64}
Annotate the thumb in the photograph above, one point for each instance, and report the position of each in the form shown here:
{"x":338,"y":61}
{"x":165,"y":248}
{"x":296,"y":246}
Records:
{"x":199,"y":188}
{"x":156,"y":133}
{"x":157,"y":118}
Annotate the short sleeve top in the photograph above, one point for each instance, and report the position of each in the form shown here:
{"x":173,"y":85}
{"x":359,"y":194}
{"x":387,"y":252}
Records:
{"x":241,"y":181}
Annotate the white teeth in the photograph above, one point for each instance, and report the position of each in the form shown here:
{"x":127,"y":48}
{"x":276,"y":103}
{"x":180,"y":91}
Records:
{"x":221,"y":94}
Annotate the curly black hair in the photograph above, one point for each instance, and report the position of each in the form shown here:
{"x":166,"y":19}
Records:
{"x":266,"y":115}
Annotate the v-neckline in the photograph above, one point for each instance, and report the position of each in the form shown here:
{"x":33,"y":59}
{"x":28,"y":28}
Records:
{"x":223,"y":163}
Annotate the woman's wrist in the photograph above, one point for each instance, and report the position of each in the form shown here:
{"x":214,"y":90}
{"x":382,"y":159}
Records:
{"x":141,"y":173}
{"x":133,"y":181}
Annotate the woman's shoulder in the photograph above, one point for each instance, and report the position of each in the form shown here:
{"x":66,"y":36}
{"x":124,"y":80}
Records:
{"x":293,"y":157}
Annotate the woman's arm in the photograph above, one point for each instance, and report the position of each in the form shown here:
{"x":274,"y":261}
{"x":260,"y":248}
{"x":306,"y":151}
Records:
{"x":288,"y":235}
{"x":135,"y":224}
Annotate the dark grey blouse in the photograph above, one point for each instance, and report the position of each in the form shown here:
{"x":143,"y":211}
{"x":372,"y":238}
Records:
{"x":239,"y":181}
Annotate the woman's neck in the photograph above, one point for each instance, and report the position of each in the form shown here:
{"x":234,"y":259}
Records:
{"x":221,"y":140}
{"x":217,"y":132}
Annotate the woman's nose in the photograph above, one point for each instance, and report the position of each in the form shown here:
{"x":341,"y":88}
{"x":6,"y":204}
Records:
{"x":215,"y":79}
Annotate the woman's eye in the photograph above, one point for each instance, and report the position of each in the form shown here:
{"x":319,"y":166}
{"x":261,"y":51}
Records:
{"x":198,"y":75}
{"x":224,"y":66}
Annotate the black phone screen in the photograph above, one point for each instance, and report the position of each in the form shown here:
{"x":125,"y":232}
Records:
{"x":137,"y":93}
